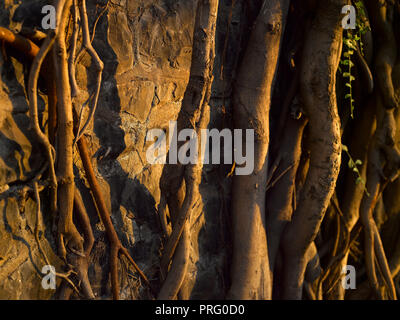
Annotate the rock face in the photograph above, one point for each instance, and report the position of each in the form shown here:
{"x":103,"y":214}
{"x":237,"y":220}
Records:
{"x":146,"y":48}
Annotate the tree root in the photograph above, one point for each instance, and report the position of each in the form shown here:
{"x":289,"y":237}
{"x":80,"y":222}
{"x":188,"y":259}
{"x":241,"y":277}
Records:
{"x":364,"y":128}
{"x":69,"y":236}
{"x":313,"y":273}
{"x":384,"y":159}
{"x":39,"y":56}
{"x":381,"y":14}
{"x":80,"y":263}
{"x":194,"y":114}
{"x":116,"y":246}
{"x":64,"y":276}
{"x":177,"y":274}
{"x":318,"y":89}
{"x":99,"y":65}
{"x":33,"y":53}
{"x":251,"y":274}
{"x":279,"y":207}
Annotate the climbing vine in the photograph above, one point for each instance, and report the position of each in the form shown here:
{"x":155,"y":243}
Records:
{"x":352,"y":41}
{"x":354,"y":166}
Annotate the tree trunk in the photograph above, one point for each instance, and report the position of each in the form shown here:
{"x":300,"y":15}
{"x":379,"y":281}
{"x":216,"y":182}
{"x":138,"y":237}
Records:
{"x":251,"y":274}
{"x":318,"y":88}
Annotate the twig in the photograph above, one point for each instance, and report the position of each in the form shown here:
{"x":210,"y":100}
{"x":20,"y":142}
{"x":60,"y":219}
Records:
{"x":269,"y":186}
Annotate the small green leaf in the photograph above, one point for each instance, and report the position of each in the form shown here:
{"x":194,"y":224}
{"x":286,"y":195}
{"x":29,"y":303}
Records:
{"x":344,"y":147}
{"x":349,"y":43}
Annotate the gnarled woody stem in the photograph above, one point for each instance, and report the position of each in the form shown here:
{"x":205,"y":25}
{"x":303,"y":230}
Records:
{"x":115,"y":243}
{"x":195,"y":115}
{"x":69,"y":235}
{"x":318,"y":85}
{"x":251,"y":277}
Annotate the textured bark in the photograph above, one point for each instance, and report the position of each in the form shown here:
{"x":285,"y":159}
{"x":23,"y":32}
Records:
{"x":69,"y":235}
{"x":381,"y":12}
{"x":81,"y":263}
{"x":372,"y":242}
{"x":194,"y":115}
{"x":353,"y":193}
{"x":274,"y":240}
{"x":313,"y":273}
{"x":280,"y":198}
{"x":116,"y":246}
{"x":318,"y":82}
{"x":251,"y":278}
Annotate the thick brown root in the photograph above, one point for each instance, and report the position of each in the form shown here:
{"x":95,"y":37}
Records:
{"x":251,"y":274}
{"x":317,"y":82}
{"x":180,"y":184}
